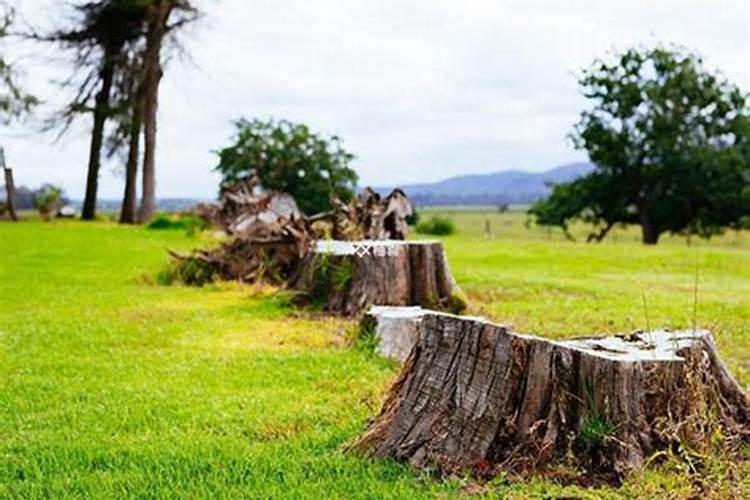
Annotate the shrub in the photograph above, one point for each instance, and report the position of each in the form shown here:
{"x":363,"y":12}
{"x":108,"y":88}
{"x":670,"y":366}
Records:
{"x":165,"y":221}
{"x":48,"y":200}
{"x":457,"y":304}
{"x":413,"y":219}
{"x":190,"y":271}
{"x":437,"y":225}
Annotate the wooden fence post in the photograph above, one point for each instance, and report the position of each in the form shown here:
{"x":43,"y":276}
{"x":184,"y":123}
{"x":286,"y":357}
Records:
{"x":10,"y":188}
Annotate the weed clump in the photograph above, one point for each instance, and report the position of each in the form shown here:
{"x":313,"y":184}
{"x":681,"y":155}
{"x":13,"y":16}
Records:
{"x":437,"y":225}
{"x":188,"y":223}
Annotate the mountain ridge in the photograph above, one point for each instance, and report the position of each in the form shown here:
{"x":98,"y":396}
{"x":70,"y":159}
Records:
{"x":503,"y":187}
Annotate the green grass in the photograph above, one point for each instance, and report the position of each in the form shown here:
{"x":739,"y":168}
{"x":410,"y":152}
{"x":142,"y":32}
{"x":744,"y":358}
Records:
{"x":114,"y":386}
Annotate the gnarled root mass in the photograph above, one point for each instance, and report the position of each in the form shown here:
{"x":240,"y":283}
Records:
{"x":475,"y":396}
{"x":271,"y":254}
{"x":271,"y":236}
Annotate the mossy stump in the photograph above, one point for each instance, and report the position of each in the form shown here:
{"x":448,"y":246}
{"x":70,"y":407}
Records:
{"x":475,"y":396}
{"x":347,"y":277}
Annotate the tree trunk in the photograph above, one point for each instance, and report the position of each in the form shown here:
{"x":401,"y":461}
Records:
{"x":474,"y":396}
{"x":650,"y":233}
{"x":347,"y":277}
{"x":157,"y":26}
{"x":101,"y":112}
{"x":10,"y":192}
{"x":128,"y":211}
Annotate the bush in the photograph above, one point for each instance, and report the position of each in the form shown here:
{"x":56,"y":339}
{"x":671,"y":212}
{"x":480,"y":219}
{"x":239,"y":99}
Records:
{"x":413,"y":219}
{"x":190,"y":271}
{"x":165,"y":221}
{"x":437,"y":225}
{"x":48,"y":201}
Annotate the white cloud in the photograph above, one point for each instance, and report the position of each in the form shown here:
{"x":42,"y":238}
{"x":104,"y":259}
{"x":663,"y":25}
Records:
{"x":419,"y":90}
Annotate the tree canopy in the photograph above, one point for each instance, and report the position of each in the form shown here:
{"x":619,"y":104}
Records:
{"x":290,"y":157}
{"x":14,"y":101}
{"x":671,"y":144}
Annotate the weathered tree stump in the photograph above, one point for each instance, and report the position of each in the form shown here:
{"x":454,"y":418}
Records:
{"x":475,"y":396}
{"x":347,"y":277}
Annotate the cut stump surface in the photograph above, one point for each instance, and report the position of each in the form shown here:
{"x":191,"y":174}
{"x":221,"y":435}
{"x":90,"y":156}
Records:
{"x":475,"y":396}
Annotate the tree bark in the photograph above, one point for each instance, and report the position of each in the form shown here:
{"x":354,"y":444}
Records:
{"x":101,"y":112}
{"x":650,"y":235}
{"x":10,"y":192}
{"x":157,"y":27}
{"x":128,"y":211}
{"x":474,"y":396}
{"x":347,"y":277}
{"x":649,"y":232}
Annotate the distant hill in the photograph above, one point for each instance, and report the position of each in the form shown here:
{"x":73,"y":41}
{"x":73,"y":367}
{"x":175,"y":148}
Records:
{"x":508,"y":186}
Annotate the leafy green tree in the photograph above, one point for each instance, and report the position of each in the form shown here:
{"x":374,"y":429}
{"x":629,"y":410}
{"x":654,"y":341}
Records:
{"x":289,"y":157}
{"x":671,"y":144}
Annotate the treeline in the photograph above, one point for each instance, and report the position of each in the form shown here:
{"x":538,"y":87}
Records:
{"x":26,"y":198}
{"x":116,"y":50}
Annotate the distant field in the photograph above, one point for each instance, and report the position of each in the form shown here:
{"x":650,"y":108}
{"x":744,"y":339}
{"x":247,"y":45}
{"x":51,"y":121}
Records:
{"x":113,"y":386}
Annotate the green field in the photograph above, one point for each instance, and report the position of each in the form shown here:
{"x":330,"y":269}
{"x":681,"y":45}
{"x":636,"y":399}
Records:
{"x":114,"y":386}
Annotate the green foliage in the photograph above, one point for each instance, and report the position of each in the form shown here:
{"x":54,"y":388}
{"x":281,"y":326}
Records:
{"x":364,"y":338}
{"x":188,"y":271}
{"x":290,"y":157}
{"x":437,"y":225}
{"x":329,"y":273}
{"x":595,"y":431}
{"x":597,"y":428}
{"x":413,"y":219}
{"x":671,"y":144}
{"x":166,"y":221}
{"x":457,"y":304}
{"x":47,"y":200}
{"x":321,"y":270}
{"x":14,"y":102}
{"x":342,"y":275}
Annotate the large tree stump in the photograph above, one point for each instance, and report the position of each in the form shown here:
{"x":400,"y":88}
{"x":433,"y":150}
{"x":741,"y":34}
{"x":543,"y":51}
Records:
{"x":475,"y":396}
{"x":347,"y":277}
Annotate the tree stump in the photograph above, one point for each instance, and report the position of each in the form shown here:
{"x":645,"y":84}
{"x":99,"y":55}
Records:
{"x":347,"y":277}
{"x":475,"y":396}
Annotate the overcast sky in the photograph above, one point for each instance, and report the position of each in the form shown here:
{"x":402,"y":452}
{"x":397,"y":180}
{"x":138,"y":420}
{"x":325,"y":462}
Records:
{"x":419,"y":90}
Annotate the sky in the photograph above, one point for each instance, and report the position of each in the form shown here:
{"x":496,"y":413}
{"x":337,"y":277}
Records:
{"x":419,"y":90}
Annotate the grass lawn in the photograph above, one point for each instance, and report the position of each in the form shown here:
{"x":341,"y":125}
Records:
{"x":114,"y":386}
